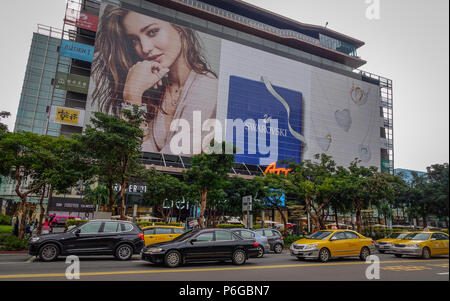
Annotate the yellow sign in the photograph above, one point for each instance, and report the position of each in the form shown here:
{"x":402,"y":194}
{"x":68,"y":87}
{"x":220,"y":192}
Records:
{"x":65,"y":115}
{"x":272,"y":168}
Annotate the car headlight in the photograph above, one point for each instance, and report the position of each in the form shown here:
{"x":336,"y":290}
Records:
{"x":388,"y":244}
{"x":310,"y":247}
{"x":154,"y":250}
{"x":414,"y":246}
{"x":34,"y":239}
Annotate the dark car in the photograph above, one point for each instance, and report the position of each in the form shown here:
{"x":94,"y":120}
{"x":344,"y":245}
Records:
{"x":202,"y":245}
{"x":98,"y":237}
{"x":274,"y":237}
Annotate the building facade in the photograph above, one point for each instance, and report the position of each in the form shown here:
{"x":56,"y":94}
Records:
{"x":276,"y":88}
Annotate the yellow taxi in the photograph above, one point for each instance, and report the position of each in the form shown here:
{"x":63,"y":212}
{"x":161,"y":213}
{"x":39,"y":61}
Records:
{"x":156,"y":234}
{"x":423,"y":244}
{"x":327,"y":244}
{"x":384,"y":245}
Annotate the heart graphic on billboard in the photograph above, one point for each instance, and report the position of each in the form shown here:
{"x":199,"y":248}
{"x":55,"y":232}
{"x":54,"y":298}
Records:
{"x":324,"y":142}
{"x":364,"y":153}
{"x":344,"y":119}
{"x":358,"y":95}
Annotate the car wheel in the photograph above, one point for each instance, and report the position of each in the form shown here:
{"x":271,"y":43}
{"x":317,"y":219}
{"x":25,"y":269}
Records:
{"x":260,"y":252}
{"x":124,"y":252}
{"x":398,"y":255}
{"x":48,"y":252}
{"x":173,"y":259}
{"x":278,"y":248}
{"x":239,"y":257}
{"x":365,"y":252}
{"x":324,"y":255}
{"x":426,"y":254}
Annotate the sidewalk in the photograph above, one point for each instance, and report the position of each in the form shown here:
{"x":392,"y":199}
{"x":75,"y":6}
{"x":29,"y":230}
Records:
{"x":14,"y":257}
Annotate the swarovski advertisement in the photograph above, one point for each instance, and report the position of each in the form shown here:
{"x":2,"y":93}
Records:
{"x":196,"y":88}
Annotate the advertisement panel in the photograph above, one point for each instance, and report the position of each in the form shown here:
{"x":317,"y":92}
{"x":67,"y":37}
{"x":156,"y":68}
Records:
{"x":81,"y":19}
{"x":68,"y":116}
{"x":76,"y":50}
{"x":72,"y":82}
{"x":196,"y":88}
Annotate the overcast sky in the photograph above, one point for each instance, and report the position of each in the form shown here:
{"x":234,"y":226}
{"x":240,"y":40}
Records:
{"x":409,"y":44}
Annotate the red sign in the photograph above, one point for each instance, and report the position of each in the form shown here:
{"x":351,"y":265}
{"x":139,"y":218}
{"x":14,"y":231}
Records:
{"x":87,"y":21}
{"x":81,"y":19}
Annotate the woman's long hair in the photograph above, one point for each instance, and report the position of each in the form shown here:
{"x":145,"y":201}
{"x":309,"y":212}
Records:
{"x":115,"y":56}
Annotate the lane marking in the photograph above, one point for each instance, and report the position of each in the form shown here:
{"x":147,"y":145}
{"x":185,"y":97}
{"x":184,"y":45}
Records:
{"x":442,"y":273}
{"x":202,"y":270}
{"x":406,"y":268}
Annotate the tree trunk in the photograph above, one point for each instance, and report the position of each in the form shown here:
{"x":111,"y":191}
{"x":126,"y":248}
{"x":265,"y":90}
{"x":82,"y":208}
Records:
{"x":204,"y":195}
{"x":41,"y":217}
{"x":283,"y":217}
{"x":313,"y":216}
{"x":122,"y":198}
{"x":161,"y":211}
{"x":336,"y":218}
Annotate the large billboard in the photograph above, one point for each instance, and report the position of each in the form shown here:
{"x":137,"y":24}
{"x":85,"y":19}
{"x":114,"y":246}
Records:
{"x":196,"y":88}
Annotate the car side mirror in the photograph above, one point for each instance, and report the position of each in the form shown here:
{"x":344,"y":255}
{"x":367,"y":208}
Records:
{"x":77,"y":232}
{"x":433,"y":239}
{"x":193,"y":240}
{"x":333,"y":239}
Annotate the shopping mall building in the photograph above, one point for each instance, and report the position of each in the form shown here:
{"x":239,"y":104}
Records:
{"x":276,"y":88}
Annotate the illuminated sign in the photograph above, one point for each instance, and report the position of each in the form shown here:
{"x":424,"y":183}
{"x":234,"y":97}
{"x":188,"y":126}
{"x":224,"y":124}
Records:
{"x":272,"y":168}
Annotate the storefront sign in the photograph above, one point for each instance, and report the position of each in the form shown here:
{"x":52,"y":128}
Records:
{"x":67,"y":116}
{"x":77,"y":50}
{"x":72,"y":82}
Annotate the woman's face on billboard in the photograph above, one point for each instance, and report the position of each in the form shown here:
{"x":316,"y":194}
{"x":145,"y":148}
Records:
{"x":153,"y":39}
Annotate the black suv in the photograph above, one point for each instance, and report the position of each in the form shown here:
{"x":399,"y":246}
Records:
{"x":274,"y":237}
{"x":98,"y":237}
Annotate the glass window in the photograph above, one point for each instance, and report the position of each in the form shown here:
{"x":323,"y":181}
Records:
{"x":351,"y":235}
{"x":260,"y":231}
{"x":93,"y":227}
{"x":442,"y":236}
{"x":150,"y":231}
{"x":224,"y":235}
{"x":205,"y":236}
{"x":163,"y":231}
{"x":340,"y":235}
{"x":178,"y":231}
{"x":246,"y":234}
{"x":126,"y":227}
{"x":271,"y":233}
{"x":110,"y":227}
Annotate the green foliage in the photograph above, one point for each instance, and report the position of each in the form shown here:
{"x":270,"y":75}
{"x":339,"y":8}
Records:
{"x":4,"y":127}
{"x":290,"y":239}
{"x":147,"y":224}
{"x":5,"y":220}
{"x":112,"y":146}
{"x":97,"y":196}
{"x":75,"y":222}
{"x":6,"y":229}
{"x":13,"y":243}
{"x":230,"y":226}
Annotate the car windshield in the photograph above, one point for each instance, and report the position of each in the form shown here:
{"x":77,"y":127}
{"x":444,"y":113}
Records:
{"x":402,"y":235}
{"x":320,"y":235}
{"x":185,"y":235}
{"x":397,"y":235}
{"x":418,"y":236}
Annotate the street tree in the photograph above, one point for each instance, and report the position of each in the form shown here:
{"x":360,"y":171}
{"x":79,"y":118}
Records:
{"x":37,"y":161}
{"x":273,"y":189}
{"x":163,"y":189}
{"x":316,"y":183}
{"x":209,"y":172}
{"x":4,"y":127}
{"x":112,"y":145}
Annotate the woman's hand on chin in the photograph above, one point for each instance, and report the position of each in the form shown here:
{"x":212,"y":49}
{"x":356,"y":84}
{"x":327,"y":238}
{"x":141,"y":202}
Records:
{"x":141,"y":77}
